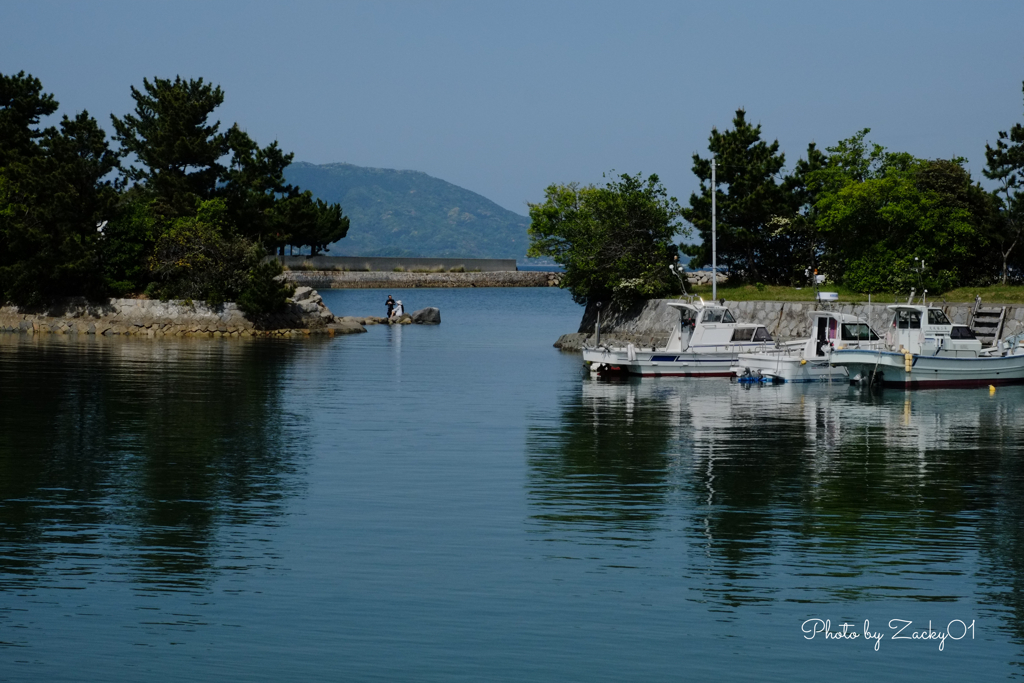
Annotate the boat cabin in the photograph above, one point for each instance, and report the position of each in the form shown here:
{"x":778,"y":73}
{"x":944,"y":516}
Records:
{"x":705,"y":325}
{"x":927,"y":331}
{"x":831,"y":330}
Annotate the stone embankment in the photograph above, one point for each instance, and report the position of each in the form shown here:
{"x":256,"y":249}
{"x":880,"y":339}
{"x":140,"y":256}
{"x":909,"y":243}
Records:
{"x":703,"y":277}
{"x":424,"y":316}
{"x":305,"y":314}
{"x":332,"y":279}
{"x":650,"y":323}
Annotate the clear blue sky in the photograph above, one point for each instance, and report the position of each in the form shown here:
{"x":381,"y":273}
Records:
{"x":506,"y":98}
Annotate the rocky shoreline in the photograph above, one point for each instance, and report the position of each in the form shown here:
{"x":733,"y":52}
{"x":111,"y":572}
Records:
{"x":305,"y":314}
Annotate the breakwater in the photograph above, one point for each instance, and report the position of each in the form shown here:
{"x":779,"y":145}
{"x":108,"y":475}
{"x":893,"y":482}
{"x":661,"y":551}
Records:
{"x":389,"y":263}
{"x":142,"y":317}
{"x":651,"y":322}
{"x":331,"y":279}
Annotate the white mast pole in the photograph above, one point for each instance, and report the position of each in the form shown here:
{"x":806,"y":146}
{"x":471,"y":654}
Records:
{"x":714,"y":237}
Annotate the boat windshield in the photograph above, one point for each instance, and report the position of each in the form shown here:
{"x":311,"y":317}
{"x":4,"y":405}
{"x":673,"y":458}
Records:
{"x":718,"y":315}
{"x":743,"y":334}
{"x":761,"y":335}
{"x":857,"y":331}
{"x":908,"y":320}
{"x":937,"y":317}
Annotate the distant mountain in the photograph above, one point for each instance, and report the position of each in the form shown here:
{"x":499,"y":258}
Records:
{"x":408,"y":213}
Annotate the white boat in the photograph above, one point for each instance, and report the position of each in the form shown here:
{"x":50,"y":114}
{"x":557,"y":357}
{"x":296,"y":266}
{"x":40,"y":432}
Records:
{"x":808,"y":360}
{"x":706,"y":343}
{"x":924,"y":349}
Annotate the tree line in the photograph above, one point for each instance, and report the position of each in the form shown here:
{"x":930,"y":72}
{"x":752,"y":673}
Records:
{"x":180,"y":208}
{"x":864,"y":216}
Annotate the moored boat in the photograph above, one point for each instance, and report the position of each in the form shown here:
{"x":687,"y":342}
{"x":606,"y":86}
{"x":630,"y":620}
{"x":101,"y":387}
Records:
{"x":924,"y":349}
{"x":705,"y":343}
{"x":809,"y":360}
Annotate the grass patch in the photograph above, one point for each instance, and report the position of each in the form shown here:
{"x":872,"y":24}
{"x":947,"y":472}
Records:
{"x":993,"y":294}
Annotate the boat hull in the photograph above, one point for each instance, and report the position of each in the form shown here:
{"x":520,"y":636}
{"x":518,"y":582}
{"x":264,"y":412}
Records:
{"x":890,"y":369}
{"x":787,"y":368}
{"x":660,"y":363}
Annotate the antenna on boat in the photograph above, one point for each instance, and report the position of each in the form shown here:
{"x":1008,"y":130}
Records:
{"x":679,"y":276}
{"x":920,"y":282}
{"x":714,"y":235}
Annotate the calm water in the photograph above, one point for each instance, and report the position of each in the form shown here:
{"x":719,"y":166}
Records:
{"x":459,"y":503}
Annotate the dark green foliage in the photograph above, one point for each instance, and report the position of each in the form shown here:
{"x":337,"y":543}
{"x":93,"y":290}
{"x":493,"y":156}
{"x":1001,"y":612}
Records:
{"x":1005,"y":165}
{"x":22,"y":104}
{"x":178,"y":150}
{"x":407,"y":213}
{"x":749,"y":241}
{"x":878,"y":211}
{"x":615,"y":242}
{"x":311,"y":222}
{"x":198,"y":258}
{"x":194,"y":259}
{"x":262,"y":293}
{"x":52,"y":196}
{"x":270,"y":211}
{"x":125,"y":247}
{"x":187,"y":227}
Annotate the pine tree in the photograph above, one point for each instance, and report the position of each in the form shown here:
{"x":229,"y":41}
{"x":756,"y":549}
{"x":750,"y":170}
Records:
{"x":748,"y":197}
{"x":178,"y":149}
{"x":1005,"y":165}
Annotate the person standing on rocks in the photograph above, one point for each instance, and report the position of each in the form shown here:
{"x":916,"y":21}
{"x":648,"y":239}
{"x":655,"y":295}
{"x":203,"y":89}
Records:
{"x":390,"y":303}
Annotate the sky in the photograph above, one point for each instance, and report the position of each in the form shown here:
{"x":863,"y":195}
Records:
{"x":507,"y":98}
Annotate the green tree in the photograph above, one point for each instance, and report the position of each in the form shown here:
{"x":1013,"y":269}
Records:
{"x":269,"y":210}
{"x":178,"y":150}
{"x":53,"y":194}
{"x":880,"y":214}
{"x":1005,"y":165}
{"x":807,"y":245}
{"x":613,"y":241}
{"x":22,"y":104}
{"x":186,"y":164}
{"x":749,"y":240}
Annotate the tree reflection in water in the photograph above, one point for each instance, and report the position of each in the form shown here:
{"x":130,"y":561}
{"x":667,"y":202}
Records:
{"x":803,"y":494}
{"x":149,"y":454}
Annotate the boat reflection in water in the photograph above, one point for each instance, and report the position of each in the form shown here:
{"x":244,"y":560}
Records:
{"x":793,"y":494}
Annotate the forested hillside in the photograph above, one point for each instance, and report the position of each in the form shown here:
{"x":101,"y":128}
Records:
{"x":408,"y":213}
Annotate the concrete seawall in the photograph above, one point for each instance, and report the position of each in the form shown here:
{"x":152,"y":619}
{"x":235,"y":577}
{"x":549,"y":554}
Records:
{"x":651,"y":322}
{"x":330,"y":279}
{"x":388,"y":263}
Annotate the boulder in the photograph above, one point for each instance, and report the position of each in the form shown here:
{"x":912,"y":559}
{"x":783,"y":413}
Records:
{"x":427,"y":316}
{"x":302,"y":293}
{"x":343,"y":326}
